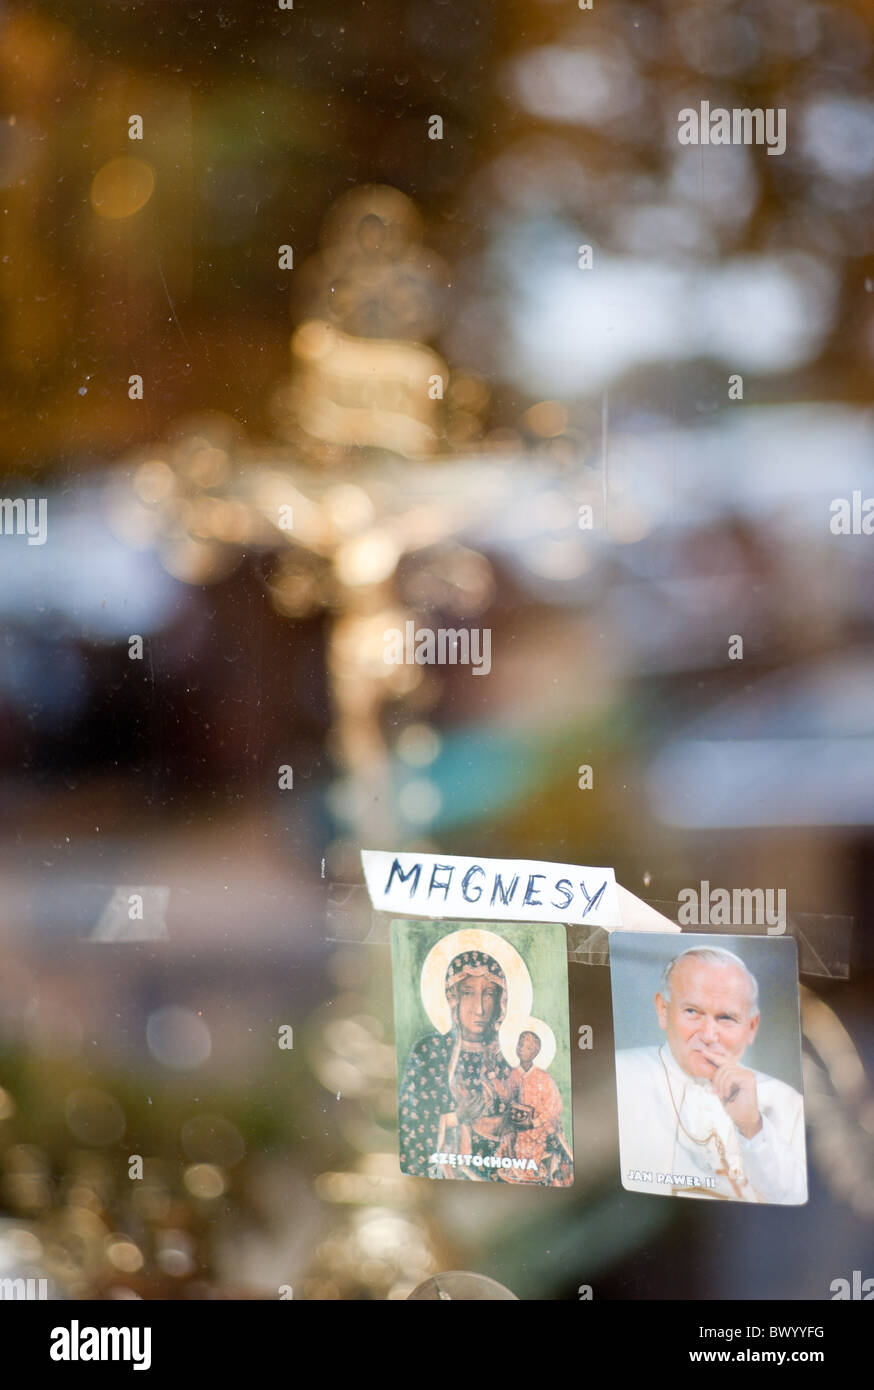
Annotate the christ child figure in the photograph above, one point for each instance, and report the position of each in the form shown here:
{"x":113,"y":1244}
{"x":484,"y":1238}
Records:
{"x":533,"y":1126}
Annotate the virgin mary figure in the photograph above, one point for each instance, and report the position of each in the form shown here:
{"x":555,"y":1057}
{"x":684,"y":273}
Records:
{"x":451,"y":1100}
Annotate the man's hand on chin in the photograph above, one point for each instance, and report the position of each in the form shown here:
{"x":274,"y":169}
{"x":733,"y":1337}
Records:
{"x":736,"y":1087}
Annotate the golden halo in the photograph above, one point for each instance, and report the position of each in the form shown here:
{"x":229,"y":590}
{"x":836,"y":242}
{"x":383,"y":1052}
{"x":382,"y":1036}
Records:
{"x":508,"y":1036}
{"x":520,"y":992}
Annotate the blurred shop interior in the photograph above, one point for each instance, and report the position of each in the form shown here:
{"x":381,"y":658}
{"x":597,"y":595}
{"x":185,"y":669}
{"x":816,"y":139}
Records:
{"x":287,"y":262}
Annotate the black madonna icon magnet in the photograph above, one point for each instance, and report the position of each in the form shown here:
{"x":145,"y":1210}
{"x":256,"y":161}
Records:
{"x":481,"y":1022}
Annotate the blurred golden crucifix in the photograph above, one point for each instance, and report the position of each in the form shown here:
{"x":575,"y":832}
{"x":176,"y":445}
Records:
{"x":378,"y":462}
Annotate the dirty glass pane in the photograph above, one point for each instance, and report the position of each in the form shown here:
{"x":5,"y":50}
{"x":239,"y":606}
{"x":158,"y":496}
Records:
{"x":504,"y":319}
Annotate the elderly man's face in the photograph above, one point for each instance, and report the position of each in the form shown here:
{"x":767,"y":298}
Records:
{"x":478,"y":1001}
{"x":707,"y":1020}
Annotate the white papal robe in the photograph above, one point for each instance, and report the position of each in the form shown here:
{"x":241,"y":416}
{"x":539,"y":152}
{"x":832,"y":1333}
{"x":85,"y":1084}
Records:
{"x":675,"y":1136}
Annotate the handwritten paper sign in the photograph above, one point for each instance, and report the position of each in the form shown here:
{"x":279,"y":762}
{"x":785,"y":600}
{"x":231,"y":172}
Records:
{"x":507,"y":890}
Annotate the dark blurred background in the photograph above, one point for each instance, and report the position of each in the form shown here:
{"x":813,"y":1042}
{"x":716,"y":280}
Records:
{"x":164,"y":897}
